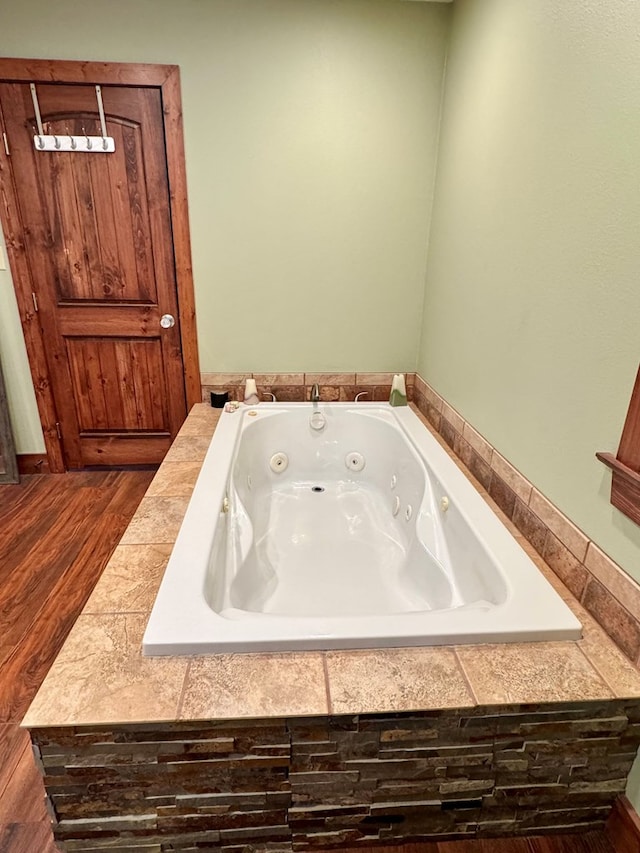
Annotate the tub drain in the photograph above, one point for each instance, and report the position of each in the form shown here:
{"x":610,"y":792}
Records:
{"x":317,"y":488}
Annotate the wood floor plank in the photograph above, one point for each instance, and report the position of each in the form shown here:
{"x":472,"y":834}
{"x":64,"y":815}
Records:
{"x":69,"y":524}
{"x":26,"y":838}
{"x":23,"y":800}
{"x":13,"y":742}
{"x":20,"y":528}
{"x":32,"y":580}
{"x":25,"y":669}
{"x":623,"y":827}
{"x":37,"y":496}
{"x":54,"y":551}
{"x":11,"y":499}
{"x":411,"y":847}
{"x":485,"y":845}
{"x":20,"y":494}
{"x":587,"y":842}
{"x":592,"y":842}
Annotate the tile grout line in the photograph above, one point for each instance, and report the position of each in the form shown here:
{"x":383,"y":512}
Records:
{"x":327,"y":688}
{"x":593,"y":579}
{"x":598,"y":580}
{"x":465,"y":677}
{"x":600,"y":674}
{"x":183,"y":691}
{"x":86,"y":612}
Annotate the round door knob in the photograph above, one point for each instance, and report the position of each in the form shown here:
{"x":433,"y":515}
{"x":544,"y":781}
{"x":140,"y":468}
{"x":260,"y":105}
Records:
{"x":167,"y":321}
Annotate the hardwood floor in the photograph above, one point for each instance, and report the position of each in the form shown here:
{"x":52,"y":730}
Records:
{"x":57,"y":532}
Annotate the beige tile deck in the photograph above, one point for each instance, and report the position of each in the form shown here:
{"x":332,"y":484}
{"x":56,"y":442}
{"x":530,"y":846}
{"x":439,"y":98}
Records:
{"x":156,"y":520}
{"x":368,"y":681}
{"x":610,"y":663}
{"x":130,"y":582}
{"x":189,"y":448}
{"x":101,"y":677}
{"x":174,"y":479}
{"x":201,"y":421}
{"x":263,"y":685}
{"x":523,"y":673}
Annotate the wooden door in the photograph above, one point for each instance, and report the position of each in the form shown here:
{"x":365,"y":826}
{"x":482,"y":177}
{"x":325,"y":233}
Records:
{"x":99,"y":244}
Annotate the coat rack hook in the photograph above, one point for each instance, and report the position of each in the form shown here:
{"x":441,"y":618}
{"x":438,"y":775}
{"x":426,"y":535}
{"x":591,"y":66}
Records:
{"x":69,"y":141}
{"x":36,"y":108}
{"x":103,"y":123}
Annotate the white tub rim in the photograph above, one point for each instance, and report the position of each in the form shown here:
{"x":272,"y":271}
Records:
{"x":180,"y":611}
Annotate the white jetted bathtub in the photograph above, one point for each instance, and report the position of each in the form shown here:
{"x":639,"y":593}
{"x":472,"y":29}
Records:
{"x":342,"y":526}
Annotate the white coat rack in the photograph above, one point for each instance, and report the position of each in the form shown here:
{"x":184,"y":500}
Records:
{"x":89,"y":144}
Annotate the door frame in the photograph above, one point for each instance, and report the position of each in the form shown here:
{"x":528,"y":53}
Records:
{"x":167,"y":79}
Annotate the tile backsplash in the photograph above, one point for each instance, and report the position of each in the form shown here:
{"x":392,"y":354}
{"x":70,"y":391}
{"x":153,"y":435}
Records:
{"x":296,"y":387}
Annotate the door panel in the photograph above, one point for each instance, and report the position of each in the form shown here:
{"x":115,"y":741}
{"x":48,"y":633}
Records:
{"x":123,"y":380}
{"x":100,"y":246}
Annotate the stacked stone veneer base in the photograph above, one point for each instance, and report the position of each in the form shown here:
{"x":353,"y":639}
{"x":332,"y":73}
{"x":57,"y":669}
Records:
{"x":282,"y":785}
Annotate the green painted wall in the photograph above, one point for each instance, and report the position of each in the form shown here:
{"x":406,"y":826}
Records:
{"x":310,"y":132}
{"x":532,"y":301}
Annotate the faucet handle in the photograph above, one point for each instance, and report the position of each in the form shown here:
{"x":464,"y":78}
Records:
{"x":361,"y":394}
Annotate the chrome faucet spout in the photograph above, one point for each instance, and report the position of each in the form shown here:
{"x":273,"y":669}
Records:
{"x":317,"y":420}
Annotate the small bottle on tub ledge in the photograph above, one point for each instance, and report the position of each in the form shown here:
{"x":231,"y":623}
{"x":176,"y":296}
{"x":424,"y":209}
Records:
{"x":398,"y":395}
{"x":251,"y":393}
